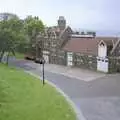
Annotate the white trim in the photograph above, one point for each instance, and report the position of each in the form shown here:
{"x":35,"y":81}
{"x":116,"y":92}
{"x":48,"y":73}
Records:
{"x":101,"y":42}
{"x":82,"y":36}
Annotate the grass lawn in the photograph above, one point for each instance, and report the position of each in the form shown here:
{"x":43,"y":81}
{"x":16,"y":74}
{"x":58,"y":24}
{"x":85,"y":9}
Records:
{"x":18,"y":55}
{"x":22,"y":97}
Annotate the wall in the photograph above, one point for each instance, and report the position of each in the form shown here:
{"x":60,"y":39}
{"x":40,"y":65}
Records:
{"x":57,"y":57}
{"x":114,"y":64}
{"x":85,"y":61}
{"x":79,"y":60}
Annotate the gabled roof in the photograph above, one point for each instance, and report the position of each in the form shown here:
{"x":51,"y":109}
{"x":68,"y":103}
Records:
{"x":67,"y":29}
{"x":56,"y":31}
{"x":53,"y":31}
{"x":102,"y":43}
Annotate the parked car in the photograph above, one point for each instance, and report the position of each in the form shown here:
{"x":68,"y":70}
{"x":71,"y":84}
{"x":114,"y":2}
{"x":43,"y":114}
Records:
{"x":29,"y":57}
{"x":37,"y":60}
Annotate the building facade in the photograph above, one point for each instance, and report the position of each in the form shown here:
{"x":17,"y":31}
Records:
{"x":63,"y":46}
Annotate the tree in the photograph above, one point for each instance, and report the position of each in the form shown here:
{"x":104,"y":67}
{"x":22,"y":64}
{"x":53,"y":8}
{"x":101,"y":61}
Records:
{"x":33,"y":27}
{"x":15,"y":33}
{"x":11,"y":35}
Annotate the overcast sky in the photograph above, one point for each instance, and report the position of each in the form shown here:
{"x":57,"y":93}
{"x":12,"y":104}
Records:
{"x":88,"y":14}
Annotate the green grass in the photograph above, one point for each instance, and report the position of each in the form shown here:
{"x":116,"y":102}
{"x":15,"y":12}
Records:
{"x":18,"y":55}
{"x":22,"y":97}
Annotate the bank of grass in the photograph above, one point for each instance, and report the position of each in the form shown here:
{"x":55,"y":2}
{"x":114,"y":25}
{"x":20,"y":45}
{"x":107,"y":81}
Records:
{"x":23,"y":97}
{"x":18,"y":55}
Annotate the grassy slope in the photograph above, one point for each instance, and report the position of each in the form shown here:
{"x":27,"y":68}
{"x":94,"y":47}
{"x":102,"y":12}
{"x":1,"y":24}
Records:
{"x":22,"y":97}
{"x":18,"y":55}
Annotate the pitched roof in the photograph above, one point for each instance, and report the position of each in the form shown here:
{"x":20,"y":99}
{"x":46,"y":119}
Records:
{"x":108,"y":40}
{"x":59,"y":33}
{"x":54,"y":29}
{"x":87,"y":46}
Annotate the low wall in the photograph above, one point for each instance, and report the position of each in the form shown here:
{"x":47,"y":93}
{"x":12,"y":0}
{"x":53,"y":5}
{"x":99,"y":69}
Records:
{"x":80,"y":61}
{"x":57,"y":58}
{"x":114,"y":64}
{"x":85,"y":61}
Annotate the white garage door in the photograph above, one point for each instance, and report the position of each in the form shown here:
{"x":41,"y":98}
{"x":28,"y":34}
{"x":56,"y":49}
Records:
{"x":102,"y":64}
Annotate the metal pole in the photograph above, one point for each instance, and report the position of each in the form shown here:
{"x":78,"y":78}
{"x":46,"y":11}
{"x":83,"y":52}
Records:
{"x":43,"y":75}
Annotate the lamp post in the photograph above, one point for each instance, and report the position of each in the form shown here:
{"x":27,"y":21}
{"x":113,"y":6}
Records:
{"x":42,"y":62}
{"x":39,"y":53}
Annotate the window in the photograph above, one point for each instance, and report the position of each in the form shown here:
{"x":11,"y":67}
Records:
{"x":102,"y":44}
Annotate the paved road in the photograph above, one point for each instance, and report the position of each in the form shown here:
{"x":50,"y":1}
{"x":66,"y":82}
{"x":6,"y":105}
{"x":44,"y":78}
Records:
{"x":98,"y":99}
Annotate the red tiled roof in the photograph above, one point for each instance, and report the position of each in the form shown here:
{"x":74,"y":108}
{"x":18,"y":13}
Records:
{"x":87,"y":46}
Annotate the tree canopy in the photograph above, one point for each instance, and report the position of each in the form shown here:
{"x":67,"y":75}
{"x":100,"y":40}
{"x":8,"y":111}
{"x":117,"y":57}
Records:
{"x":33,"y":26}
{"x":11,"y":34}
{"x":15,"y":32}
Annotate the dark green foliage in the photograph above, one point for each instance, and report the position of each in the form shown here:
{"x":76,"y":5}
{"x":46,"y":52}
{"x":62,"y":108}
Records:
{"x":33,"y":26}
{"x":11,"y":34}
{"x":19,"y":35}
